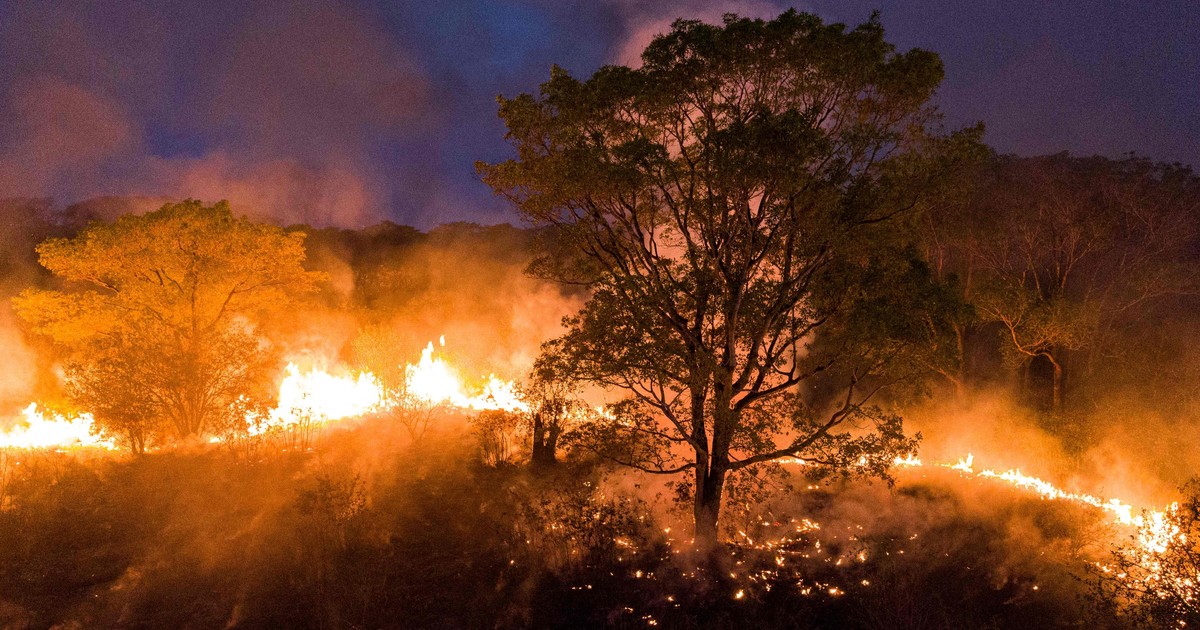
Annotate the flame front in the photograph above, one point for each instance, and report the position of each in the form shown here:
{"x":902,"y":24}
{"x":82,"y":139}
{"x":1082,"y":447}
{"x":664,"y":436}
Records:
{"x":1151,"y":523}
{"x":313,"y":397}
{"x":433,"y":381}
{"x":54,"y":431}
{"x":320,"y":397}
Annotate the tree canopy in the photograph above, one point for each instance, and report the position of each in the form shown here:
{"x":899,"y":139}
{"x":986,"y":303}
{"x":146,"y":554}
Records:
{"x":739,"y":207}
{"x":1064,"y":257}
{"x":158,"y":314}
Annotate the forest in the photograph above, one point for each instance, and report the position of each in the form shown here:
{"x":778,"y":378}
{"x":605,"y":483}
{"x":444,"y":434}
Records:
{"x":765,"y":345}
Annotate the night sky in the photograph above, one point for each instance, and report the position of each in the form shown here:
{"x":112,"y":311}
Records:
{"x":350,"y":113}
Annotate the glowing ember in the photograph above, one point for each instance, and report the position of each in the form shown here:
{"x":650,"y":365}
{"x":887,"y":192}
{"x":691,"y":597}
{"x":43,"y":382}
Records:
{"x":40,"y":430}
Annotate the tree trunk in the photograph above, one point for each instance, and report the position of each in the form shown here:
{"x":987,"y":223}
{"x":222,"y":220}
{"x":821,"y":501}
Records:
{"x":137,"y":441}
{"x":960,"y":377}
{"x":551,"y":449}
{"x":539,"y":438}
{"x":1056,"y":396}
{"x":710,"y":483}
{"x":711,"y":463}
{"x":545,"y":440}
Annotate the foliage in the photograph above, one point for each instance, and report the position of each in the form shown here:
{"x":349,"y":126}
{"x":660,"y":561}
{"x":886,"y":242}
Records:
{"x":738,"y":207}
{"x":1063,"y":254}
{"x":496,"y":434}
{"x":160,"y":315}
{"x":1158,"y":586}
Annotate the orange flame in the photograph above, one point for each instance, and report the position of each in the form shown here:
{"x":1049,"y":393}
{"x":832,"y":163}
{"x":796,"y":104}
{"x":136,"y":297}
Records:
{"x":320,"y":397}
{"x":435,"y":382}
{"x":39,"y":430}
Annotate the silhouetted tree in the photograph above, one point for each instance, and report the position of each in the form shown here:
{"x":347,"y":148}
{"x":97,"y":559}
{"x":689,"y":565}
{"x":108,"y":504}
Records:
{"x":551,"y":391}
{"x":738,"y":207}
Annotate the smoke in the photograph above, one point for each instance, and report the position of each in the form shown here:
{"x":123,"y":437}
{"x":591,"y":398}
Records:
{"x":24,"y":223}
{"x":329,"y":113}
{"x":1120,"y":452}
{"x":20,"y":364}
{"x":281,"y":190}
{"x":282,"y":113}
{"x":469,"y":285}
{"x":57,"y":130}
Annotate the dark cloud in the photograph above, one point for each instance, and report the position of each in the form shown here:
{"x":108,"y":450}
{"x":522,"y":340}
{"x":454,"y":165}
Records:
{"x":338,"y":112}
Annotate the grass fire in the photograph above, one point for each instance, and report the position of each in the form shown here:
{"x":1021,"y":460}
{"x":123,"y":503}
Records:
{"x":773,"y":344}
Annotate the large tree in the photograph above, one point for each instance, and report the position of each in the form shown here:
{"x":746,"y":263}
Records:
{"x":739,"y":206}
{"x":159,"y":314}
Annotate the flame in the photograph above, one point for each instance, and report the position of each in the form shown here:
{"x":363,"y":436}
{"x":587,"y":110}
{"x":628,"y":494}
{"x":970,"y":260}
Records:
{"x":54,"y":431}
{"x":320,"y":397}
{"x":313,"y":397}
{"x":500,"y":394}
{"x":1155,"y":532}
{"x":433,"y":381}
{"x":1122,"y":512}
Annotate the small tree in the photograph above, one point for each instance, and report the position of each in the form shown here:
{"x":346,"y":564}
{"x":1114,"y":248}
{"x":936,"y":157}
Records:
{"x":496,"y":435}
{"x":376,"y":349}
{"x":160,"y":315}
{"x":738,"y":206}
{"x":551,"y":392}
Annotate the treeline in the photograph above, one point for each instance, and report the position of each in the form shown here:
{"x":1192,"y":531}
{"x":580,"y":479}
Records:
{"x":1079,"y":276}
{"x":385,"y":292}
{"x":1074,"y":290}
{"x":1082,"y":278}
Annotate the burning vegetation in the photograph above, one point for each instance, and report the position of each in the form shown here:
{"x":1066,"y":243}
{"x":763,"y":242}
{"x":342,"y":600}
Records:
{"x":687,"y":395}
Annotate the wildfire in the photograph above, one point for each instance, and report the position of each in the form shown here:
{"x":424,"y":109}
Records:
{"x":37,"y":429}
{"x":317,"y":397}
{"x":320,"y":397}
{"x":1155,"y":532}
{"x":311,"y":398}
{"x":434,"y":381}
